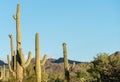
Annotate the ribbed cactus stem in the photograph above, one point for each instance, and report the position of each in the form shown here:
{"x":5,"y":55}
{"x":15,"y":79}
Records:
{"x":21,"y":56}
{"x":12,"y":52}
{"x":18,"y":31}
{"x":65,"y":56}
{"x":37,"y":59}
{"x":44,"y":60}
{"x":67,"y":68}
{"x":21,"y":64}
{"x":11,"y":44}
{"x":19,"y":71}
{"x":66,"y":65}
{"x":25,"y":65}
{"x":9,"y":66}
{"x":20,"y":60}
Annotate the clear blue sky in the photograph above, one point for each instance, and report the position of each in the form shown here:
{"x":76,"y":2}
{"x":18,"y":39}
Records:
{"x":87,"y":26}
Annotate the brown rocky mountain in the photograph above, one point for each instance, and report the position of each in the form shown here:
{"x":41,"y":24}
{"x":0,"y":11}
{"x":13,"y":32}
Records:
{"x":57,"y":65}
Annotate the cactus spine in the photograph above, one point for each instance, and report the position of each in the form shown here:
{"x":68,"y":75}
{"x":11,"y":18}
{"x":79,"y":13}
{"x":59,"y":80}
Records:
{"x":67,"y":68}
{"x":38,"y":64}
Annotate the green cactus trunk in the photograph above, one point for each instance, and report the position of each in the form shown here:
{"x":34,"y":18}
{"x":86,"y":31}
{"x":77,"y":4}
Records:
{"x":38,"y":64}
{"x":66,"y":65}
{"x":67,"y":68}
{"x":18,"y":31}
{"x":37,"y":59}
{"x":18,"y":39}
{"x":43,"y":63}
{"x":11,"y":68}
{"x":13,"y":56}
{"x":20,"y":60}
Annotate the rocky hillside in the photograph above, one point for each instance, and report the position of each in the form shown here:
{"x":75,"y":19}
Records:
{"x":57,"y":65}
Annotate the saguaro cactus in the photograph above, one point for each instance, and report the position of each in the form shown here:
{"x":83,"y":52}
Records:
{"x":20,"y":60}
{"x":37,"y":59}
{"x":18,"y":31}
{"x":67,"y":68}
{"x":10,"y":68}
{"x":43,"y":60}
{"x":38,"y":64}
{"x":13,"y":59}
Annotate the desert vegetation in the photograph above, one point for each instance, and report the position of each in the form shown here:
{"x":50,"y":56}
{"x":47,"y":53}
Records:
{"x":104,"y":68}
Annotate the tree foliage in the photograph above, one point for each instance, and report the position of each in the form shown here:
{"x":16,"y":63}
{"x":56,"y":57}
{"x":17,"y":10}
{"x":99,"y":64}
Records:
{"x":105,"y":68}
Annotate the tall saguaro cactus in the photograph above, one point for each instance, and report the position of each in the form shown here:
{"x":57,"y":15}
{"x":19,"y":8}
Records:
{"x":18,"y":31}
{"x":67,"y":68}
{"x":19,"y":70}
{"x":65,"y":56}
{"x":13,"y":55}
{"x":38,"y":64}
{"x":19,"y":57}
{"x":37,"y":59}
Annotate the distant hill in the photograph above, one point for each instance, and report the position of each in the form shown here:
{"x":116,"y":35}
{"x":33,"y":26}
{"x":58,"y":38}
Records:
{"x":117,"y":53}
{"x":57,"y":65}
{"x":51,"y":59}
{"x":61,"y":60}
{"x":2,"y":63}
